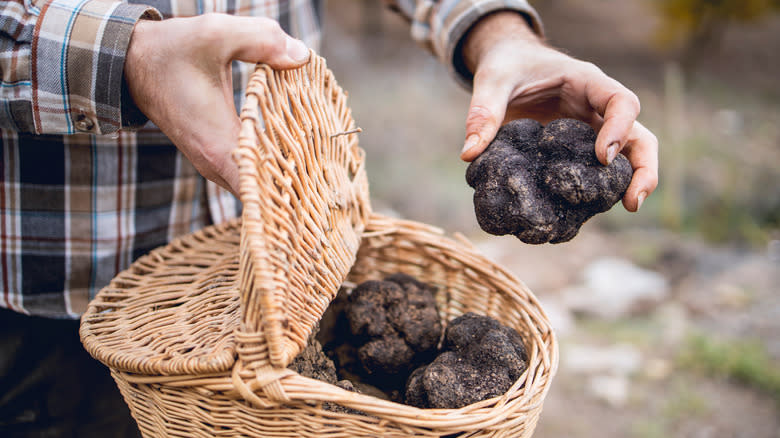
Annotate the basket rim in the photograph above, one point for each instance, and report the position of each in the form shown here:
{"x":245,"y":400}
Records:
{"x":114,"y":347}
{"x":307,"y":392}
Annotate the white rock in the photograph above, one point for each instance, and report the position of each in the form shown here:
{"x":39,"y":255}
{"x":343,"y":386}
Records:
{"x":616,"y":360}
{"x":611,"y":389}
{"x":612,"y":288}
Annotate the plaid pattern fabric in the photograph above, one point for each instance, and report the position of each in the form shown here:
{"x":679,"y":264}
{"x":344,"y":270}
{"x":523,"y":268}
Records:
{"x":441,"y":25}
{"x":81,"y":197}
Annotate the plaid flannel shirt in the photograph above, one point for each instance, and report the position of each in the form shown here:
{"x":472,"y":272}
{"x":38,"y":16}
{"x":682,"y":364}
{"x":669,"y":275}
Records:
{"x":86,"y":185}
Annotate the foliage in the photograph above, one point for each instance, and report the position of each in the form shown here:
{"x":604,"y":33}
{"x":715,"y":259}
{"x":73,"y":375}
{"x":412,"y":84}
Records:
{"x":698,"y":26}
{"x":684,"y":18}
{"x":741,"y":361}
{"x":681,"y":404}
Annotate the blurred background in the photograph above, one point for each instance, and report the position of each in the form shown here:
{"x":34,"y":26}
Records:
{"x":668,"y":319}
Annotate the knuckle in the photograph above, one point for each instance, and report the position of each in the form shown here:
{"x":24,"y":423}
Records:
{"x":652,"y":184}
{"x":591,"y":68}
{"x":649,"y":141}
{"x":269,"y":27}
{"x":653,"y":140}
{"x":650,"y":180}
{"x":210,"y":27}
{"x":633,"y":100}
{"x":270,"y":24}
{"x":273,"y":39}
{"x":479,"y":116}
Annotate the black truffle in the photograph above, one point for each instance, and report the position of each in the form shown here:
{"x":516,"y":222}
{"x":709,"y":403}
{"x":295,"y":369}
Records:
{"x":482,"y":359}
{"x":312,"y":362}
{"x":396,"y":326}
{"x":542,"y":183}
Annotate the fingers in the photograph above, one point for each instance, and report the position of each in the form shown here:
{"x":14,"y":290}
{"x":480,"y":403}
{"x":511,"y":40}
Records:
{"x":259,"y":39}
{"x":486,"y":112}
{"x":620,"y":132}
{"x":642,"y":151}
{"x":618,"y":107}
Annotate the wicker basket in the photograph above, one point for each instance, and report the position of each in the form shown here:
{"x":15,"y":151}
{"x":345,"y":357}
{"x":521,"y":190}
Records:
{"x":198,"y":333}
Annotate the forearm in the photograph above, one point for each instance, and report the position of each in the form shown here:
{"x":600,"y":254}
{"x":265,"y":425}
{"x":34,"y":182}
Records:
{"x":496,"y":28}
{"x":62,"y":63}
{"x":442,"y":27}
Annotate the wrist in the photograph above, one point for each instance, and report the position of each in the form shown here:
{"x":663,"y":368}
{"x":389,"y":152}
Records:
{"x":131,"y":114}
{"x":493,"y":29}
{"x":135,"y":52}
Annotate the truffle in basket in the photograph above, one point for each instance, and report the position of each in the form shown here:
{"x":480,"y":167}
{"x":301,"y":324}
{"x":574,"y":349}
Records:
{"x":482,"y":359}
{"x":395,"y":325}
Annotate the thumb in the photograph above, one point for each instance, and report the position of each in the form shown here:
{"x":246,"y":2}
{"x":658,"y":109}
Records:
{"x":261,"y":39}
{"x":486,"y":112}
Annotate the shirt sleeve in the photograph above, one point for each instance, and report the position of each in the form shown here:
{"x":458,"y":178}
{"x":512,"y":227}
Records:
{"x":440,"y":26}
{"x":62,"y":64}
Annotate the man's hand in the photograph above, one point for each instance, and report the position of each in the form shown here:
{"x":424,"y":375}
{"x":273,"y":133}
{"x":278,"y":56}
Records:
{"x":178,"y":73}
{"x":517,"y":76}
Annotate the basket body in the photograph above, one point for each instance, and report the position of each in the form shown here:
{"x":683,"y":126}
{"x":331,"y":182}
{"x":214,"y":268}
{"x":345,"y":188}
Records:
{"x":209,"y":405}
{"x":198,"y":333}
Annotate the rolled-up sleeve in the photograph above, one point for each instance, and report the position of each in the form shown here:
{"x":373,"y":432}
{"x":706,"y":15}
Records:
{"x":440,"y":26}
{"x":63,"y":63}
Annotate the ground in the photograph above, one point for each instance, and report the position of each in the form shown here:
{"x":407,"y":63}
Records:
{"x":705,"y":360}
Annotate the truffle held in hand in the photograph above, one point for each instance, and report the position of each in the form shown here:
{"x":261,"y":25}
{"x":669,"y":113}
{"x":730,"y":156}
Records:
{"x":483,"y":359}
{"x":542,"y":183}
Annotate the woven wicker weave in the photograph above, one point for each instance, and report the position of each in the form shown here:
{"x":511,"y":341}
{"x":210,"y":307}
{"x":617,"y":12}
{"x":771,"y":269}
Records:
{"x":198,"y":333}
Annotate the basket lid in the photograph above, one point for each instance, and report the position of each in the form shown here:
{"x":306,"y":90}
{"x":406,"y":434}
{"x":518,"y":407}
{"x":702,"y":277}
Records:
{"x":190,"y":306}
{"x":305,"y":204}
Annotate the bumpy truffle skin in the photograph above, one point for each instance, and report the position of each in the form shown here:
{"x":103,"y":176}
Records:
{"x":482,"y":359}
{"x":542,"y":183}
{"x":396,"y":324}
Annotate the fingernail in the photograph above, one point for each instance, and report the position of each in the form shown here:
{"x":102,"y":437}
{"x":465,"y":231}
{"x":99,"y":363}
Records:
{"x":471,"y":142}
{"x":612,"y":151}
{"x":640,"y":200}
{"x":297,"y":50}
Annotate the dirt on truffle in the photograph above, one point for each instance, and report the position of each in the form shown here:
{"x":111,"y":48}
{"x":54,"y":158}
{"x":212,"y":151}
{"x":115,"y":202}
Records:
{"x":395,"y":326}
{"x":382,"y":330}
{"x":542,"y":183}
{"x":482,"y":359}
{"x":312,"y":362}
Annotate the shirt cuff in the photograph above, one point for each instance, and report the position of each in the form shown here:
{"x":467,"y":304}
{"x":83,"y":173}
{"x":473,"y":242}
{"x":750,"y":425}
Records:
{"x":443,"y":27}
{"x":78,"y":57}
